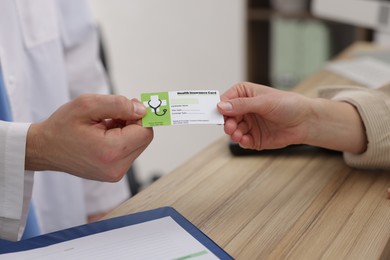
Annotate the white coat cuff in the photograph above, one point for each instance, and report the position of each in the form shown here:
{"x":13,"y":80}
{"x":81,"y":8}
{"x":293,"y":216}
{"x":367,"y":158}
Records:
{"x":15,"y":182}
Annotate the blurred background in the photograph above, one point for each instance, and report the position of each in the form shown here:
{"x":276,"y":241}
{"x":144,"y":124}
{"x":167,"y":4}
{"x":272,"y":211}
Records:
{"x":153,"y":45}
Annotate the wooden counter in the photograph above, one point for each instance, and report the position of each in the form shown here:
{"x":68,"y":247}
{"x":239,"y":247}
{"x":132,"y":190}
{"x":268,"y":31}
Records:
{"x":279,"y":206}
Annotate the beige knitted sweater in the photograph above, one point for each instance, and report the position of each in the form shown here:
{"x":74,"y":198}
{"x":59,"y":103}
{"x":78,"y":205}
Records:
{"x":374,"y":109}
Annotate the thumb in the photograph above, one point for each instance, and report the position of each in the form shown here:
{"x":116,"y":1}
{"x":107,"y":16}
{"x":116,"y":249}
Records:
{"x":101,"y":107}
{"x":239,"y":106}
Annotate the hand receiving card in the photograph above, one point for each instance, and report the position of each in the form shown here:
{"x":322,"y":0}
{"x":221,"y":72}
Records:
{"x":184,"y":107}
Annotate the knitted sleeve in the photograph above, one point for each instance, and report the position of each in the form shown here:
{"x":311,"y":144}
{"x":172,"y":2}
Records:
{"x":374,"y":109}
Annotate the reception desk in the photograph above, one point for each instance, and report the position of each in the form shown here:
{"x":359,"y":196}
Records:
{"x":302,"y":205}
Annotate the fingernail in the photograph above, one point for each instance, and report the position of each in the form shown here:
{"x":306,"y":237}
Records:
{"x":139,"y":109}
{"x":226,"y":106}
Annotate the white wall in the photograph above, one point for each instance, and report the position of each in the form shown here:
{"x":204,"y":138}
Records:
{"x":156,"y":45}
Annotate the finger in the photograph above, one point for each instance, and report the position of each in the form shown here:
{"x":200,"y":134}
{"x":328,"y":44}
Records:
{"x":230,"y":126}
{"x":236,"y":136}
{"x":240,"y":106}
{"x":122,"y":143}
{"x":247,"y":142}
{"x":139,"y":108}
{"x":243,"y":127}
{"x":231,"y":93}
{"x":136,"y":136}
{"x":100,"y":107}
{"x":238,"y":90}
{"x":241,"y":130}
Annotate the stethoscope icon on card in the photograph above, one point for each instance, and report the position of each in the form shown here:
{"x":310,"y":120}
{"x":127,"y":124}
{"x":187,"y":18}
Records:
{"x":155,"y":103}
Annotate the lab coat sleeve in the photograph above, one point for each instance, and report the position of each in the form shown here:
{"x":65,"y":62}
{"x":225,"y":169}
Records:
{"x":15,"y":182}
{"x":374,"y":109}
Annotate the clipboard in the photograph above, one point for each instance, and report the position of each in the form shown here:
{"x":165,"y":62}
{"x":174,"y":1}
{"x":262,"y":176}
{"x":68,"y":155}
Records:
{"x":110,"y":224}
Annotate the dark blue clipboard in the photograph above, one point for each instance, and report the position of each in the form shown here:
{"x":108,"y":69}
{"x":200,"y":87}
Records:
{"x":113,"y":223}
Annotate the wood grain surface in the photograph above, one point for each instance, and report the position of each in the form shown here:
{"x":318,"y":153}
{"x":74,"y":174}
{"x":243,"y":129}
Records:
{"x":302,"y":205}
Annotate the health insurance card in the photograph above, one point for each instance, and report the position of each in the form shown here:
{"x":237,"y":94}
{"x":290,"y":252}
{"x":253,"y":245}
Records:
{"x":185,"y":107}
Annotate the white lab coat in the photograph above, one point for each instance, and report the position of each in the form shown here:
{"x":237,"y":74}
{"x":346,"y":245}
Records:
{"x":48,"y":55}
